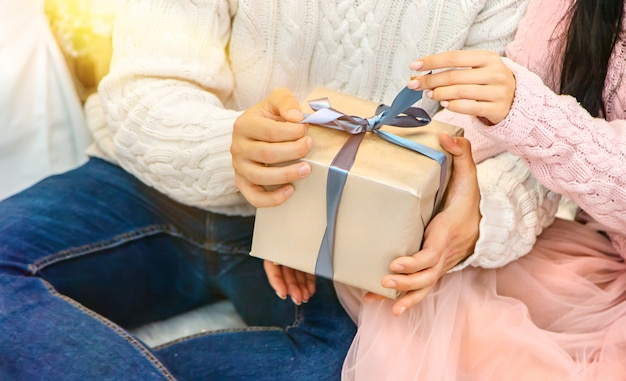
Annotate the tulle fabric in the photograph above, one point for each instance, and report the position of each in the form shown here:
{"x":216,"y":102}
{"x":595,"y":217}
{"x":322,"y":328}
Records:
{"x":558,"y":313}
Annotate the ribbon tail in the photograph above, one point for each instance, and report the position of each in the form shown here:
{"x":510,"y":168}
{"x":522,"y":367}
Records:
{"x":334,"y":187}
{"x":336,"y":180}
{"x":405,"y":99}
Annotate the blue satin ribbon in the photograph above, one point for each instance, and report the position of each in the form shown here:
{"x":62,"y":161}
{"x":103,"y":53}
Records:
{"x":399,"y":114}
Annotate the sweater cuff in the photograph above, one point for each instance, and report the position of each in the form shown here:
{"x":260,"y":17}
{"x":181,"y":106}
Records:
{"x":492,"y":231}
{"x":515,"y":208}
{"x":508,"y":132}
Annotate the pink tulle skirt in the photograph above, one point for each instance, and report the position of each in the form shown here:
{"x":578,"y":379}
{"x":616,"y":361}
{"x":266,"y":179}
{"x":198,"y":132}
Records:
{"x":558,"y":313}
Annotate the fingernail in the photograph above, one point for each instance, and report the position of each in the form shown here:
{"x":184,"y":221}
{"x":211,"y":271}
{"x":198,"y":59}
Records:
{"x":416,"y":65}
{"x":283,"y":297}
{"x":397,"y":267}
{"x":453,"y":138}
{"x":289,"y":191}
{"x":309,"y":142}
{"x":413,"y":84}
{"x":304,"y":170}
{"x":294,"y":115}
{"x":402,"y":310}
{"x":428,"y":94}
{"x":390,"y":283}
{"x":444,"y":104}
{"x":295,"y":301}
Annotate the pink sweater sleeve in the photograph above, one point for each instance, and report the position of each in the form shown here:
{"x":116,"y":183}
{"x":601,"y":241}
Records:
{"x":568,"y":150}
{"x":482,"y":147}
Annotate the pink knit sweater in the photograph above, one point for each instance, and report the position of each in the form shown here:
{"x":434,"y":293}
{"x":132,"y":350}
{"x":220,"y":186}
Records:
{"x":568,"y":150}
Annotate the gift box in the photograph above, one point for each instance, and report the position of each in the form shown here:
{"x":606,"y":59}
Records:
{"x":389,"y":196}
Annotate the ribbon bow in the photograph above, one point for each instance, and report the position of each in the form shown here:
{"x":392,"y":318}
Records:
{"x":399,"y":114}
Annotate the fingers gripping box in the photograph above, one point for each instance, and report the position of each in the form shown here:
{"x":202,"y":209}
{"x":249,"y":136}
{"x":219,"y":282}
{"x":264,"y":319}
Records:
{"x":388,"y":199}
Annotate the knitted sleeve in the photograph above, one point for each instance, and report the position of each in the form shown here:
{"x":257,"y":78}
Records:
{"x":164,"y":101}
{"x":567,"y":150}
{"x":515,"y":209}
{"x":495,"y":24}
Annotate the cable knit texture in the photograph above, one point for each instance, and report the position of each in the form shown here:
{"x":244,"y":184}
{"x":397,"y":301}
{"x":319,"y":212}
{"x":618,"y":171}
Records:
{"x":173,"y":93}
{"x":166,"y":110}
{"x":567,"y":149}
{"x":515,"y":209}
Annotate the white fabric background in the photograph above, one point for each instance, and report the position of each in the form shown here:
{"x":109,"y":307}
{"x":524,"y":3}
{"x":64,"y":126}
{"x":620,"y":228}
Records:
{"x":42,"y":127}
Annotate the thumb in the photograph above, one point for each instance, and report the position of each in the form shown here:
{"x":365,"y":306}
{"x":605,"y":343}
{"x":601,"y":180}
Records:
{"x":461,"y":150}
{"x":285,"y":104}
{"x":437,"y":235}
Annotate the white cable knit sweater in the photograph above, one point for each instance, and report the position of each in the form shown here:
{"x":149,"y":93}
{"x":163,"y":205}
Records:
{"x":182,"y":72}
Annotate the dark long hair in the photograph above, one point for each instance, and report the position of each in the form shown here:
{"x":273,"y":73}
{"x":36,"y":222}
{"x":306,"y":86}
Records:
{"x":594,"y":28}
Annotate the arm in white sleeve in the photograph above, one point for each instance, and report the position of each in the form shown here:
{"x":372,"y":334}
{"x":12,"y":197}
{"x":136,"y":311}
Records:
{"x":495,"y":25}
{"x":164,"y":99}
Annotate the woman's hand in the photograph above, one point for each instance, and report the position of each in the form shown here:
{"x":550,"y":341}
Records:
{"x":479,"y":83}
{"x":287,"y":281}
{"x":268,"y":133}
{"x":448,"y":239}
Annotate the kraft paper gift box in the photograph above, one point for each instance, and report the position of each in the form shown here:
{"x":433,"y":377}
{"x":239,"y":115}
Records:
{"x":387,"y":201}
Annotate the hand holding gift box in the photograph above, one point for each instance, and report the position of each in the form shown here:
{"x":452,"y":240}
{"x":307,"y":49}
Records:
{"x":389,"y":196}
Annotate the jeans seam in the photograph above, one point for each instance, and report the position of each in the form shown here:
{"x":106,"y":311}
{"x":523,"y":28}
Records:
{"x":209,"y":224}
{"x":89,"y":248}
{"x":211,"y":234}
{"x":145,"y":352}
{"x":125,"y":237}
{"x":298,"y":318}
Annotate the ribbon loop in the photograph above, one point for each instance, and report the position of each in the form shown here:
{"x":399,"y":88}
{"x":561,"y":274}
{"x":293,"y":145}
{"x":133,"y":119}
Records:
{"x":325,"y":115}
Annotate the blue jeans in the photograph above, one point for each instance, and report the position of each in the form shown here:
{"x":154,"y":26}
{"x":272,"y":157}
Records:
{"x":89,"y":254}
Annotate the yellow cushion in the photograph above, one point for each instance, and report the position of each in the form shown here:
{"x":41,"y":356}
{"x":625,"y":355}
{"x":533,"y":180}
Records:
{"x":83,"y":31}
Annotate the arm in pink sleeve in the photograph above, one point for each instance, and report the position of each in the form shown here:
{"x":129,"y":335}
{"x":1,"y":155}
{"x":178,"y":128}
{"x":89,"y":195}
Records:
{"x":568,"y":150}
